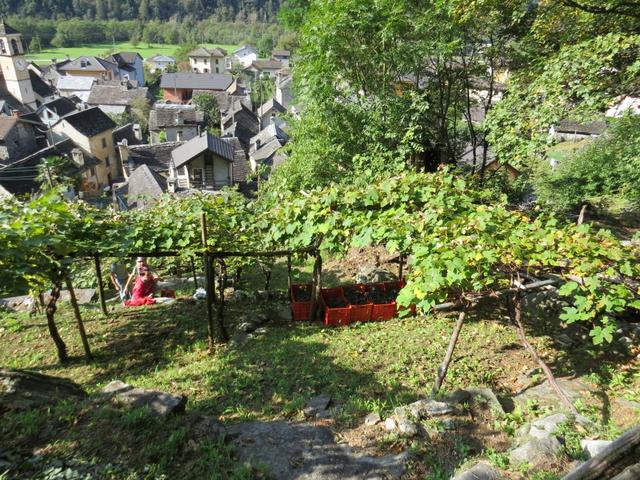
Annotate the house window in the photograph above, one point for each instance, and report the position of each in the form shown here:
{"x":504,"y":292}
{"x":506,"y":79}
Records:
{"x":107,"y":160}
{"x":104,"y":142}
{"x":198,"y":177}
{"x":3,"y":47}
{"x":14,"y":46}
{"x":179,"y":136}
{"x":205,"y":70}
{"x":217,"y":70}
{"x":92,"y":172}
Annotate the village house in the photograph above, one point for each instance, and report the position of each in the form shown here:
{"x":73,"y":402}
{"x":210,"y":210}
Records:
{"x":80,"y":87}
{"x":284,"y":81}
{"x":17,"y":139}
{"x":246,"y":55}
{"x":179,"y":87}
{"x":51,"y":73}
{"x":174,"y":123}
{"x":51,"y":112}
{"x":283,"y":56}
{"x":269,"y":112}
{"x":206,"y":163}
{"x":240,"y":122}
{"x":89,"y":66}
{"x":265,"y":146}
{"x":118,"y":97}
{"x":264,"y":68}
{"x":130,"y":66}
{"x":92,"y":131}
{"x":160,"y":63}
{"x":572,"y":130}
{"x":207,"y":60}
{"x":79,"y":163}
{"x":142,"y":187}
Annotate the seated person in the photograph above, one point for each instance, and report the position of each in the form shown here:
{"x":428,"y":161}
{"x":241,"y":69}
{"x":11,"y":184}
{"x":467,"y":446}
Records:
{"x":142,"y":289}
{"x":118,"y":275}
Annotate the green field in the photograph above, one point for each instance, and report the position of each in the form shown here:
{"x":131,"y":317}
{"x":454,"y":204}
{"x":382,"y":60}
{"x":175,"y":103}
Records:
{"x":104,"y":49}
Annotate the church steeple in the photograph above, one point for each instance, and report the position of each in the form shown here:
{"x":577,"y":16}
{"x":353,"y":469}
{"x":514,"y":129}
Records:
{"x":15,"y":66}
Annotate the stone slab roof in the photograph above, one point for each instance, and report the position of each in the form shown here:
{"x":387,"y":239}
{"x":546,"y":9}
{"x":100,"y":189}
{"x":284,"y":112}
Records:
{"x":196,"y":81}
{"x":171,"y":115}
{"x":116,"y":95}
{"x":197,"y":145}
{"x":90,"y":122}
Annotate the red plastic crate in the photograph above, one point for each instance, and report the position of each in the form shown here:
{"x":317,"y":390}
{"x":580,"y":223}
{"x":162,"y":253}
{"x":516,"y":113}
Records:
{"x":334,"y":317}
{"x":300,"y":310}
{"x":383,"y":311}
{"x":359,"y":313}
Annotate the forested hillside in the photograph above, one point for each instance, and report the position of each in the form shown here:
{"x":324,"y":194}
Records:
{"x":249,"y":10}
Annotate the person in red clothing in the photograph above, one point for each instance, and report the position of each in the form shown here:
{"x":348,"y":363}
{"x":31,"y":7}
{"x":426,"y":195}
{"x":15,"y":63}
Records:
{"x":142,"y":289}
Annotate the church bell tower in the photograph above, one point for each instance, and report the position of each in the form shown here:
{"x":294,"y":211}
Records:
{"x":15,"y":66}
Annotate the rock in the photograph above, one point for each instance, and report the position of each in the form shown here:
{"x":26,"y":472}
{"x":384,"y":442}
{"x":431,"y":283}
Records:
{"x":538,"y":452}
{"x":628,"y":403}
{"x":209,"y":427}
{"x":283,"y":314}
{"x":239,"y":338}
{"x":486,"y":395}
{"x":406,"y":427}
{"x":480,"y":471}
{"x":372,"y":419}
{"x":263,"y":295}
{"x":564,"y":340}
{"x":545,"y":427}
{"x":261,"y":318}
{"x":458,"y":397}
{"x":240,"y":296}
{"x":544,"y":394}
{"x":592,"y":448}
{"x":261,"y":331}
{"x":371,"y":274}
{"x":316,"y":405}
{"x":429,"y":408}
{"x":449,"y":424}
{"x":390,"y":424}
{"x":159,"y":403}
{"x":626,"y":341}
{"x":305,"y":452}
{"x":248,"y":327}
{"x":22,"y":390}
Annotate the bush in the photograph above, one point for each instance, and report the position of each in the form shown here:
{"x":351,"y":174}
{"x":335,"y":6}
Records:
{"x":605,"y":174}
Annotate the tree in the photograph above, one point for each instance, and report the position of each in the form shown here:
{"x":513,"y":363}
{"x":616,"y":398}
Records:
{"x":208,"y":105}
{"x":143,"y":10}
{"x":35,"y":45}
{"x":101,"y":12}
{"x":605,"y":173}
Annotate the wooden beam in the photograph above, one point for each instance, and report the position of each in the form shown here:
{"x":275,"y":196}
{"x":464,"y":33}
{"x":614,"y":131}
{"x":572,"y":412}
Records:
{"x":442,"y":370}
{"x":623,"y":452}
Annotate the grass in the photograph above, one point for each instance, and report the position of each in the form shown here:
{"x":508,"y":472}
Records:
{"x":103,"y":49}
{"x":564,"y":150}
{"x":364,"y":367}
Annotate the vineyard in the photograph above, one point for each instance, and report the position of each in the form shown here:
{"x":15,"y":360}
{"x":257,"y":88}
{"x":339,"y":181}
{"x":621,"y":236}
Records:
{"x":460,"y":248}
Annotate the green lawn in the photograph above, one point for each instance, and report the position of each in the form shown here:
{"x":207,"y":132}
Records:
{"x":564,"y":150}
{"x":103,"y":49}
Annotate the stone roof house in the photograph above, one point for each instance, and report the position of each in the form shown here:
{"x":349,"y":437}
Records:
{"x":89,"y":66}
{"x":130,"y":66}
{"x":264,"y":68}
{"x":160,"y":63}
{"x":269,"y":112}
{"x":246,"y":54}
{"x":240,"y":122}
{"x":70,"y":86}
{"x":568,"y":129}
{"x":143,"y":186}
{"x":208,"y":60}
{"x":179,"y":87}
{"x":118,"y":97}
{"x":50,"y":112}
{"x":283,"y":56}
{"x":17,"y":139}
{"x":178,"y":122}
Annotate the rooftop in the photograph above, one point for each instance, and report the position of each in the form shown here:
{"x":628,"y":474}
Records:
{"x":271,"y":104}
{"x":6,"y":29}
{"x":157,"y":157}
{"x":69,"y":82}
{"x":208,"y":52}
{"x":116,"y":94}
{"x":266,"y":64}
{"x":196,"y":81}
{"x":170,"y":115}
{"x":144,"y":182}
{"x":202,"y":143}
{"x":90,"y":122}
{"x":61,"y":106}
{"x":89,"y":64}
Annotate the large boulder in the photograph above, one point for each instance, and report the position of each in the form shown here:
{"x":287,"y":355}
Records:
{"x":537,"y":453}
{"x":370,"y":274}
{"x":544,"y":394}
{"x":159,"y":403}
{"x":480,"y":471}
{"x":22,"y":390}
{"x":306,"y":452}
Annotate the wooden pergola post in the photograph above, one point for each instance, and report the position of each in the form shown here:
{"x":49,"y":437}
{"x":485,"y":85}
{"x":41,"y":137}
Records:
{"x":76,"y":312}
{"x":400,"y":266}
{"x":316,"y":286}
{"x":193,"y":271}
{"x":289,"y":280}
{"x":103,"y":304}
{"x":207,"y":276}
{"x":222,"y":280}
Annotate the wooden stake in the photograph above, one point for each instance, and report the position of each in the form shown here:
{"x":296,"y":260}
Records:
{"x":400,"y":266}
{"x":193,"y":271}
{"x":289,"y":279}
{"x":207,"y":279}
{"x":222,"y":280}
{"x":76,"y":312}
{"x":516,"y":315}
{"x":583,"y":213}
{"x":103,"y":304}
{"x":444,"y":366}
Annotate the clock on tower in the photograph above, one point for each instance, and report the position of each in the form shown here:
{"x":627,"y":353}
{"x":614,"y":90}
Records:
{"x":14,"y":66}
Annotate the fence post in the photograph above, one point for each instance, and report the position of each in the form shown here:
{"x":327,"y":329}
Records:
{"x":207,"y":276}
